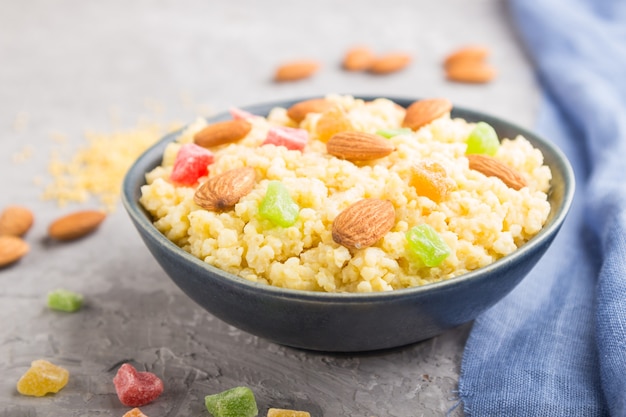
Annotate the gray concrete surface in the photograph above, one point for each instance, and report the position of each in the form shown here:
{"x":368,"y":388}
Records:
{"x":68,"y":66}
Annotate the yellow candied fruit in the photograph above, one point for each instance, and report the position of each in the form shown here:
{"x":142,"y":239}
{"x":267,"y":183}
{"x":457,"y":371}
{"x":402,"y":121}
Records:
{"x":42,"y":378}
{"x":279,"y":412}
{"x":331,"y":122}
{"x":430,"y":179}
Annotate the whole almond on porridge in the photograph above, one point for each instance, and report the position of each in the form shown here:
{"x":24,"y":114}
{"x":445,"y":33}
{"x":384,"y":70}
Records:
{"x":15,"y":221}
{"x":363,"y":223}
{"x":221,"y":133}
{"x":422,"y":112}
{"x":12,"y":248}
{"x":358,"y":146}
{"x":391,"y":62}
{"x":75,"y":225}
{"x":298,"y":111}
{"x":469,"y":53}
{"x":358,"y":58}
{"x":470,"y":72}
{"x":296,"y":70}
{"x":225,"y":190}
{"x":492,"y":167}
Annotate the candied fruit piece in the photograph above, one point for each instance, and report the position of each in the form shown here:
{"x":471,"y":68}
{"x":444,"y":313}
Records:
{"x":65,"y":300}
{"x":42,"y":378}
{"x":389,"y":133}
{"x":483,"y":139}
{"x":191,"y":163}
{"x":277,"y":206}
{"x":134,"y":388}
{"x":135,"y":412}
{"x":239,"y":114}
{"x":332,"y":121}
{"x":234,"y":402}
{"x":281,"y":412}
{"x":430,"y":179}
{"x":289,"y":137}
{"x":425,"y":242}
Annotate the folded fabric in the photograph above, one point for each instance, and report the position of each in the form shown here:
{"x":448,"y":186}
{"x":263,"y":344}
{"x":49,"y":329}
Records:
{"x":556,"y":345}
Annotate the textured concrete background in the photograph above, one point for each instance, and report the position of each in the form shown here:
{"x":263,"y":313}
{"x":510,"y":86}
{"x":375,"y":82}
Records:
{"x":68,"y":66}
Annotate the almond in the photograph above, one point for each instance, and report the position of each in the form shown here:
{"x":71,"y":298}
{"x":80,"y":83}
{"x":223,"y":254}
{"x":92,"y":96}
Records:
{"x":12,"y":248}
{"x":358,"y":58}
{"x":296,"y":70}
{"x":470,"y":53}
{"x":298,"y":111}
{"x":16,"y":221}
{"x":471,"y":72}
{"x":422,"y":112}
{"x":225,"y":190}
{"x":391,"y":62}
{"x":75,"y":225}
{"x":358,"y":146}
{"x":221,"y":133}
{"x":492,"y":167}
{"x":363,"y":223}
{"x":467,"y":65}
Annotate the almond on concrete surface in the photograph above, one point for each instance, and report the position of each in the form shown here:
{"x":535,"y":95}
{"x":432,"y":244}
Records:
{"x":299,"y":110}
{"x":358,"y":146}
{"x":12,"y":249}
{"x":471,"y":72}
{"x":391,"y":62}
{"x":225,"y":190}
{"x":422,"y":112}
{"x":363,"y":223}
{"x":492,"y":167}
{"x":15,"y":221}
{"x":296,"y":70}
{"x":75,"y":225}
{"x":358,"y":58}
{"x":469,"y":53}
{"x":221,"y":133}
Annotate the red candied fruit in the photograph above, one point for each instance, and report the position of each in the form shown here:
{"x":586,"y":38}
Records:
{"x":191,"y":163}
{"x":136,"y":389}
{"x":289,"y":137}
{"x":239,"y":114}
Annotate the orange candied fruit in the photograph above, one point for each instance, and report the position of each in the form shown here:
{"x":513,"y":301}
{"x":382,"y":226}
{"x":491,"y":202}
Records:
{"x":431,"y":180}
{"x":135,"y":412}
{"x":334,"y":120}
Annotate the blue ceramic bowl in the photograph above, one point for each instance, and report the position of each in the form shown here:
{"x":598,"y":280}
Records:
{"x":350,"y":322}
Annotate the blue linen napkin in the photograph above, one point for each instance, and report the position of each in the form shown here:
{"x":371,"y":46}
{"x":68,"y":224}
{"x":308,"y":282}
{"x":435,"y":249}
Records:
{"x":556,"y":345}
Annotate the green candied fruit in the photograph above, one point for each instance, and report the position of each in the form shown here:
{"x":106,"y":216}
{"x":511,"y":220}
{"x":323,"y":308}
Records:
{"x":389,"y":133}
{"x":483,"y":139}
{"x":426,"y":243}
{"x":277,"y":205}
{"x":65,"y":300}
{"x":235,"y":402}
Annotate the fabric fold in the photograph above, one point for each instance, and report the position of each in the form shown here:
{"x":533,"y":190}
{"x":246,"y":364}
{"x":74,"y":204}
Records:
{"x":557,"y":344}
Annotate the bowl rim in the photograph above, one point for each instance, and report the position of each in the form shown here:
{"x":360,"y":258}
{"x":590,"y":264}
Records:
{"x":151,"y":157}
